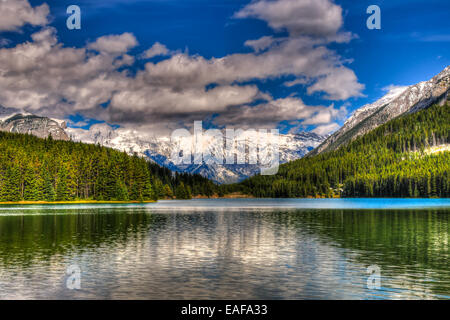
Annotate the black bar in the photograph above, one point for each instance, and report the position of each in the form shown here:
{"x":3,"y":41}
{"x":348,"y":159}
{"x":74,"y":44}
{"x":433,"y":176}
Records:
{"x":226,"y":309}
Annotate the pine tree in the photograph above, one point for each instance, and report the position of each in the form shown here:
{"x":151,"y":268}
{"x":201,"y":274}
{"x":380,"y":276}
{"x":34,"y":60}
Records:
{"x":62,"y":188}
{"x":49,"y":190}
{"x":180,"y":192}
{"x":11,"y":187}
{"x":45,"y":169}
{"x":121,"y":192}
{"x":167,"y":191}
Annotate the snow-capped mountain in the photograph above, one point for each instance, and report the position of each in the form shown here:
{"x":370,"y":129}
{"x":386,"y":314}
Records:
{"x":398,"y":102}
{"x":13,"y":120}
{"x":159,"y":150}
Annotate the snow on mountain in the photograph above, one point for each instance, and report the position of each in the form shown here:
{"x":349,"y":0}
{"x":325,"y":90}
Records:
{"x":398,"y":101}
{"x":369,"y":109}
{"x":13,"y":120}
{"x":159,"y":150}
{"x":401,"y":100}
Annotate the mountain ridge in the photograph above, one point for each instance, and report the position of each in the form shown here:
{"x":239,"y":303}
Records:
{"x":406,"y":100}
{"x":406,"y":157}
{"x":400,"y":101}
{"x":292,"y":147}
{"x":158,"y":150}
{"x":38,"y":126}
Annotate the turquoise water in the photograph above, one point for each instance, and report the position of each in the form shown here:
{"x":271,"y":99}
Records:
{"x":249,"y":204}
{"x":228,"y":249}
{"x":360,"y":203}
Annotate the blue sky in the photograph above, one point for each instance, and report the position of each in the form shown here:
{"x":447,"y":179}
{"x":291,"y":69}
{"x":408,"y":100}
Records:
{"x":413,"y":45}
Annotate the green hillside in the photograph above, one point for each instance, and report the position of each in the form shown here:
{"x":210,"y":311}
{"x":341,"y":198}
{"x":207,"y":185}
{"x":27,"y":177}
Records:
{"x":394,"y":160}
{"x":34,"y":169}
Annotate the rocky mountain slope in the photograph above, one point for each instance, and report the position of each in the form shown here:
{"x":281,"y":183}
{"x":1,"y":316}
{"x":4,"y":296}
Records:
{"x":399,"y":102}
{"x":41,"y":127}
{"x":156,"y":149}
{"x":159,"y":150}
{"x":291,"y":146}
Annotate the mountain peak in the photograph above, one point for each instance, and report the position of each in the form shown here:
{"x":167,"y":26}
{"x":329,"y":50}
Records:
{"x":401,"y":100}
{"x":159,"y":150}
{"x":38,"y":126}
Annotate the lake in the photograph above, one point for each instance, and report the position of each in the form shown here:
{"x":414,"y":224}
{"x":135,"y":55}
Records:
{"x":228,"y":249}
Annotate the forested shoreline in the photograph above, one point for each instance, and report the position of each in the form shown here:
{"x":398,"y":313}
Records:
{"x":390,"y":161}
{"x":35,"y":169}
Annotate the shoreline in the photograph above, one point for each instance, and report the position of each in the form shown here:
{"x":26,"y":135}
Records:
{"x":74,"y":202}
{"x":235,"y":196}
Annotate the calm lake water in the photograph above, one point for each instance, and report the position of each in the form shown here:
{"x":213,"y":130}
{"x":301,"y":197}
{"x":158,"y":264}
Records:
{"x":228,"y":249}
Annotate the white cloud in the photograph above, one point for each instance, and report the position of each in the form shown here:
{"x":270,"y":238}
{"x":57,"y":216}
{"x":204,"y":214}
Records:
{"x":266,"y":114}
{"x":341,"y":84}
{"x":157,"y":49}
{"x":43,"y":76}
{"x":326,"y":115}
{"x":270,"y":113}
{"x":261,"y":44}
{"x":326,"y":129}
{"x":114,"y":44}
{"x":142,"y":100}
{"x":394,"y":89}
{"x":317,"y":18}
{"x":17,"y":13}
{"x":78,"y":124}
{"x":296,"y":82}
{"x":311,"y":25}
{"x":293,"y":56}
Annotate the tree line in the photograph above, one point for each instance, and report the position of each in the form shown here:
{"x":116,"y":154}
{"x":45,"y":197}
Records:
{"x":35,"y":169}
{"x":392,"y":160}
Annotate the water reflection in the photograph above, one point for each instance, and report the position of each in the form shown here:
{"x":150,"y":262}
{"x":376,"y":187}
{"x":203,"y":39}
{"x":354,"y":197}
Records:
{"x":138,"y":252}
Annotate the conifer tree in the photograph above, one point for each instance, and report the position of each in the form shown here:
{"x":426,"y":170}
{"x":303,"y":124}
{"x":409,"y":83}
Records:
{"x":167,"y":191}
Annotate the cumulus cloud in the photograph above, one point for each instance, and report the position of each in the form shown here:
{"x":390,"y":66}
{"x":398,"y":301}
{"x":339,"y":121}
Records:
{"x":114,"y":44}
{"x":326,"y":115}
{"x":45,"y":77}
{"x":341,"y":84}
{"x":153,"y":103}
{"x":17,"y":13}
{"x":326,"y":128}
{"x":42,"y":75}
{"x":318,"y":18}
{"x":261,"y":43}
{"x":295,"y":82}
{"x":266,"y":114}
{"x":157,"y":49}
{"x":270,"y":113}
{"x":293,"y":56}
{"x":312,"y":24}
